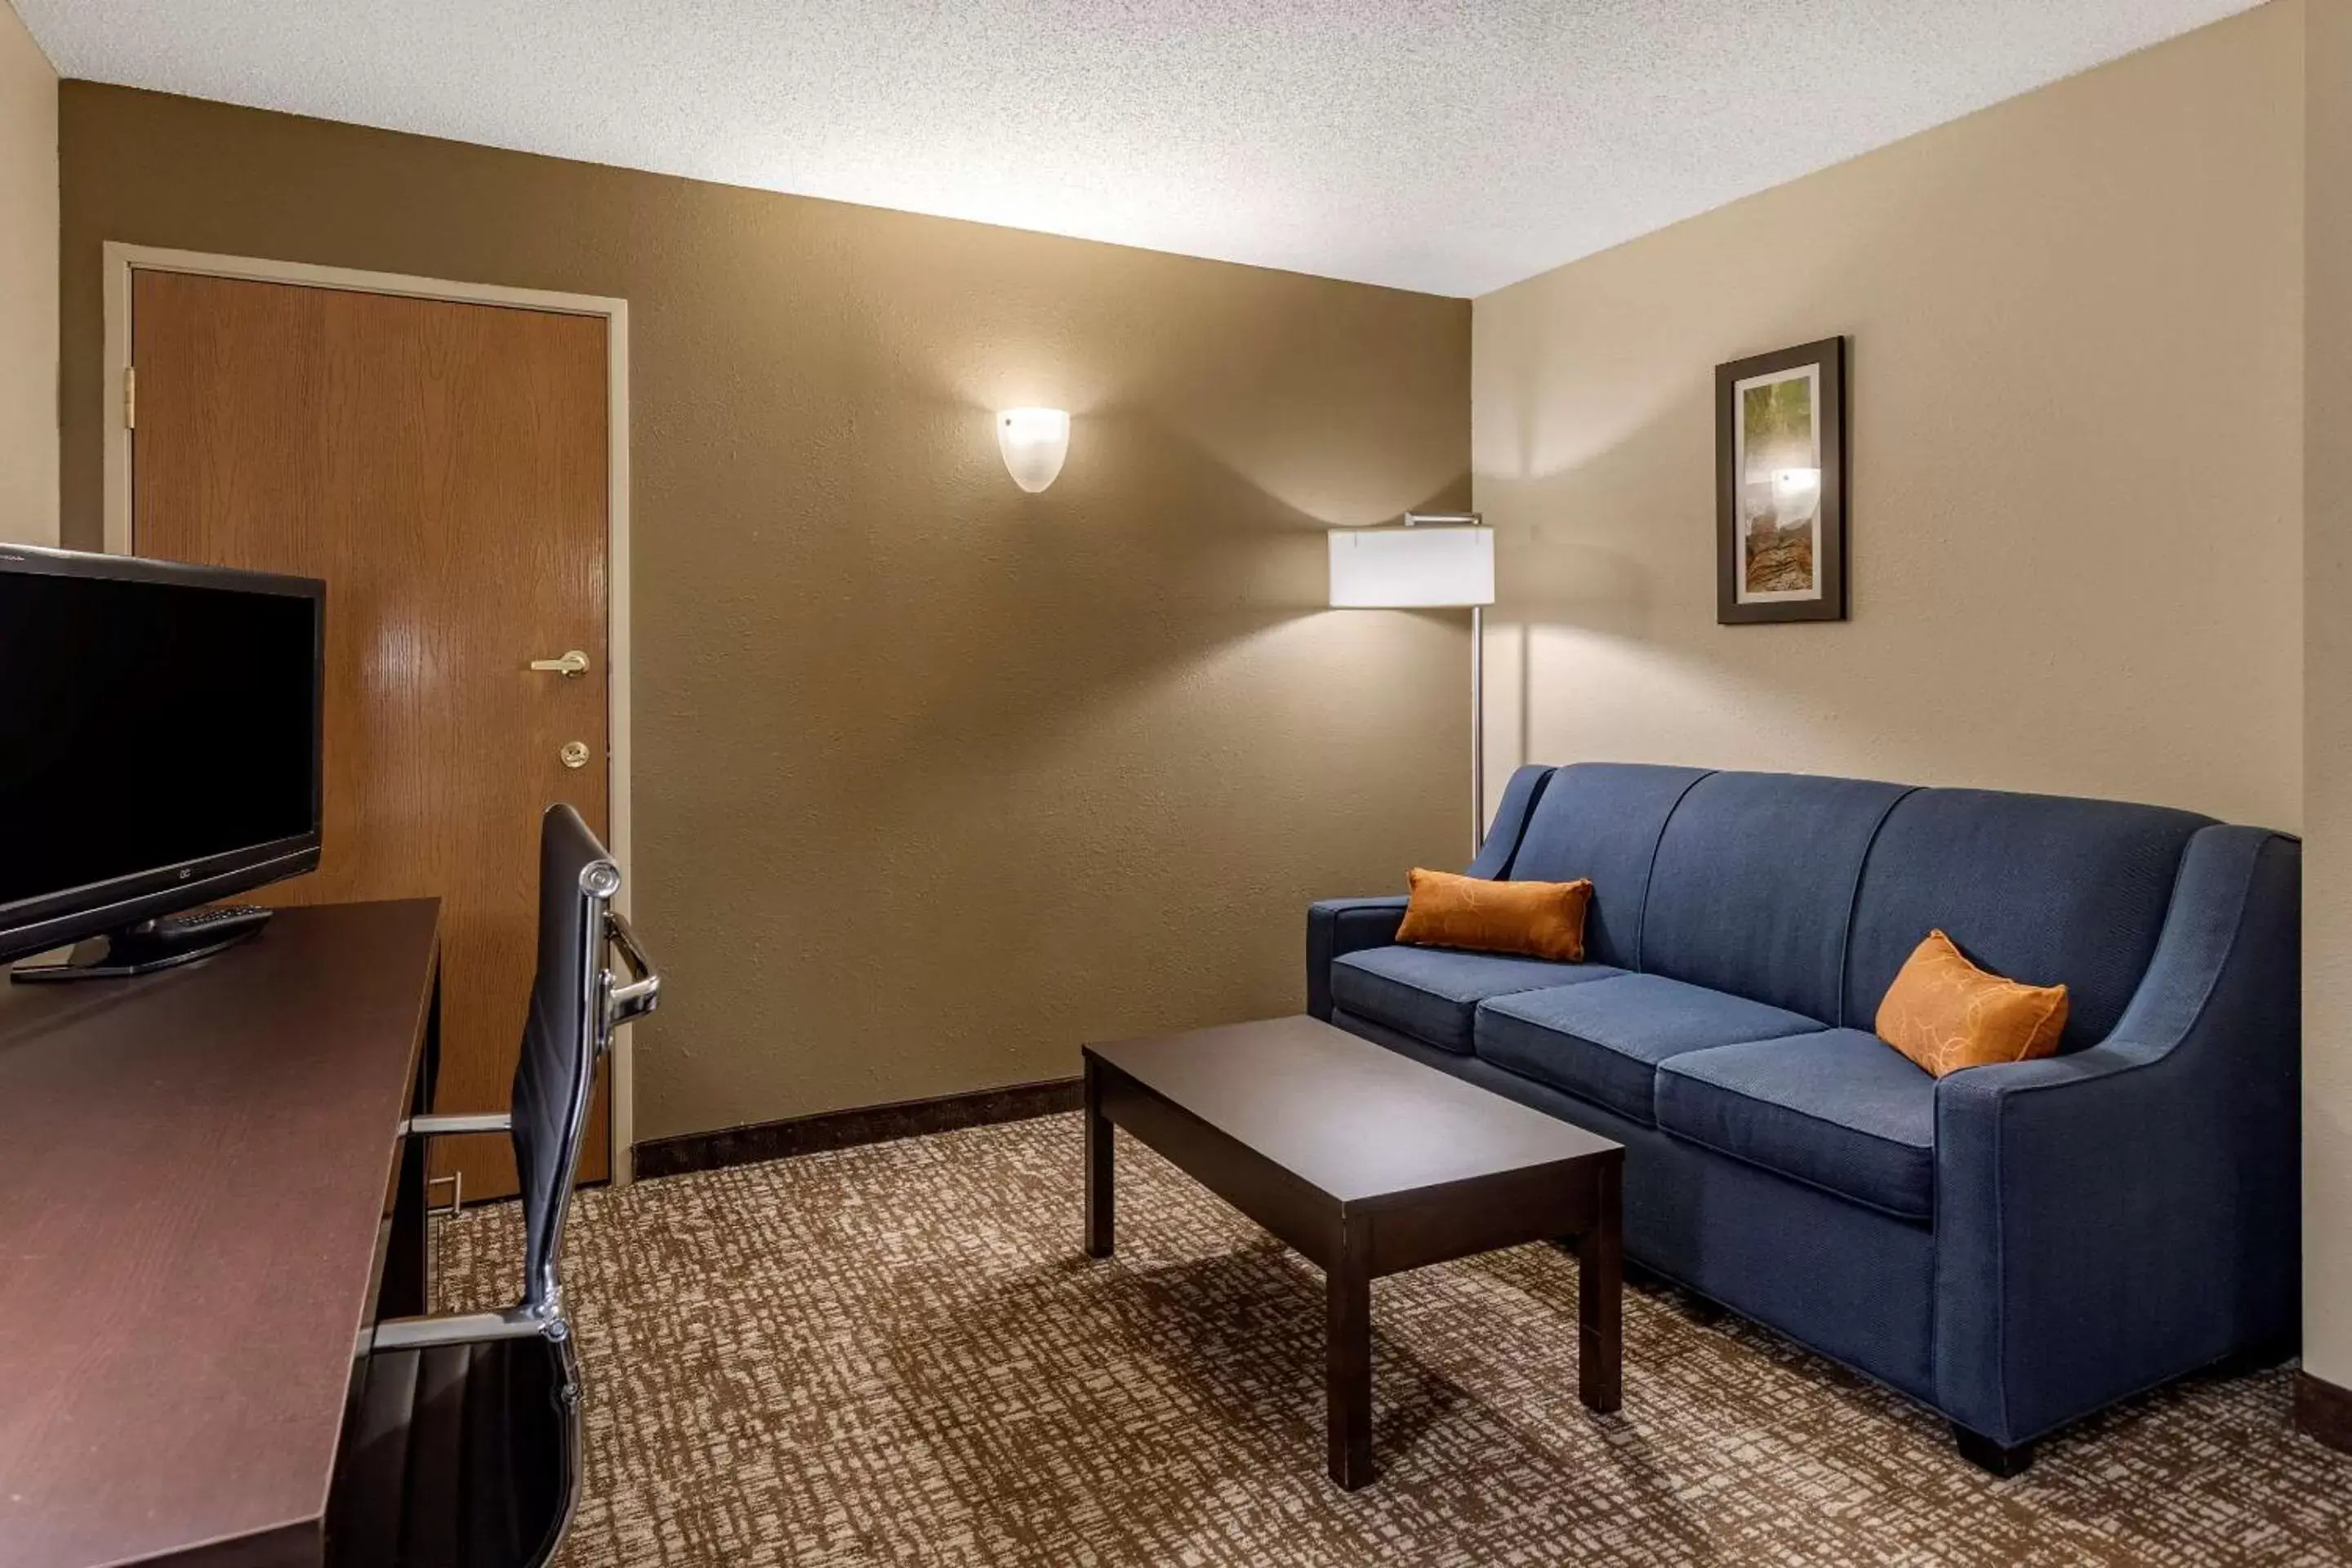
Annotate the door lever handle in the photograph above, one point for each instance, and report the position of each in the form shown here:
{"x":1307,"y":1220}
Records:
{"x":572,"y":664}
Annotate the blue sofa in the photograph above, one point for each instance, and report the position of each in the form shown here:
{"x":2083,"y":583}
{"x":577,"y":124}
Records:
{"x":2015,"y":1246}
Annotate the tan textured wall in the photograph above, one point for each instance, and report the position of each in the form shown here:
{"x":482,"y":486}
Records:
{"x":934,"y":780}
{"x":2076,"y":426}
{"x":2327,"y":701}
{"x":29,"y":288}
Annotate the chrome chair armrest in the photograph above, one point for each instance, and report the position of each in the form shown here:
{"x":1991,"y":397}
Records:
{"x":435,"y":1328}
{"x":453,"y":1125}
{"x":643,"y":993}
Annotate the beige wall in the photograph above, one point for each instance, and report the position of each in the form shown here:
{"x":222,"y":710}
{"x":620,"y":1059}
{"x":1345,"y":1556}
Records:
{"x":934,"y":780}
{"x":2327,"y":701}
{"x":29,"y":288}
{"x":2075,"y":421}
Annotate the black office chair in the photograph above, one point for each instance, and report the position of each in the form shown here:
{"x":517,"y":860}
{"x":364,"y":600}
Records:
{"x":464,"y":1448}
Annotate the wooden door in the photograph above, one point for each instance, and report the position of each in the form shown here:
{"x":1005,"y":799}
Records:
{"x":444,"y":466}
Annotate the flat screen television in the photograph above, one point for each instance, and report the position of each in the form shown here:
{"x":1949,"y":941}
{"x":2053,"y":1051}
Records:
{"x":159,"y":741}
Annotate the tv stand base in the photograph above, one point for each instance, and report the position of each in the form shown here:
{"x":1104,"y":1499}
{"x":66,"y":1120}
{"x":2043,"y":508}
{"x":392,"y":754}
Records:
{"x":150,"y":946}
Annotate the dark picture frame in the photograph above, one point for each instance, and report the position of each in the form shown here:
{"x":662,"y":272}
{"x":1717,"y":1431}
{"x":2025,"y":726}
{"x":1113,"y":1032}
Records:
{"x":1779,"y":433}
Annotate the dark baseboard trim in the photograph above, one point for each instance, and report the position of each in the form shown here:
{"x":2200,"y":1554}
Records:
{"x":2323,"y":1411}
{"x":846,"y":1128}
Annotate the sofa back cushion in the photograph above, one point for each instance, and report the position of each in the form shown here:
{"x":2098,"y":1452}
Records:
{"x":1510,"y":821}
{"x":1602,"y":821}
{"x":2047,"y":890}
{"x":1755,"y":882}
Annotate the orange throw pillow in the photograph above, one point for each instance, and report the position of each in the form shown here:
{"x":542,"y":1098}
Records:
{"x":1541,"y":920}
{"x":1945,"y":1014}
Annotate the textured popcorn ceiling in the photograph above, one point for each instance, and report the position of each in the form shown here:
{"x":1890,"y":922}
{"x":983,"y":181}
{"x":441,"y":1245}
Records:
{"x":1452,"y":148}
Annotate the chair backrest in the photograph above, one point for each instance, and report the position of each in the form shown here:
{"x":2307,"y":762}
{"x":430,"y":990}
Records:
{"x":567,"y":1030}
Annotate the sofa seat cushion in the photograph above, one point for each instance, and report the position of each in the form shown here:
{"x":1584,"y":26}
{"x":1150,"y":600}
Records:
{"x":1431,"y":993}
{"x":1837,"y":1109}
{"x":1603,"y":1042}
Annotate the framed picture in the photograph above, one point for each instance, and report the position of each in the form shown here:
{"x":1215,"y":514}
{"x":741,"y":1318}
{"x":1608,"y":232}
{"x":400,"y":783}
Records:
{"x":1780,"y":481}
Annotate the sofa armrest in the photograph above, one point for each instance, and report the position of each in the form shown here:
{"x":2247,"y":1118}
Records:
{"x":2114,"y":1217}
{"x":1525,"y":787}
{"x":1338,"y":926}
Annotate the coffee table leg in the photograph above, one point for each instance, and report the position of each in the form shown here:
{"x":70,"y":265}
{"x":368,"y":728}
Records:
{"x":1098,"y":1191}
{"x":1348,"y":1361}
{"x":1600,"y":1297}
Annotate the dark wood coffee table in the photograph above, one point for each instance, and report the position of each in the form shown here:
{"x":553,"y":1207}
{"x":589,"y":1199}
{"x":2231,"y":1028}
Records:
{"x":1368,"y":1164}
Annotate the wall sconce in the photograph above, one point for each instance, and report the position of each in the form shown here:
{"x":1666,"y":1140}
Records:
{"x":1034,"y":441}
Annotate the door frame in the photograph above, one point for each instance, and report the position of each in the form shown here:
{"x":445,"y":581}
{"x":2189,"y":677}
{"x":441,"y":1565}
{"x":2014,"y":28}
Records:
{"x":122,"y":259}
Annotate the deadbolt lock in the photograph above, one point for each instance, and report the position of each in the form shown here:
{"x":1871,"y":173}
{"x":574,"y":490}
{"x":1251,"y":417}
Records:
{"x":575,"y":753}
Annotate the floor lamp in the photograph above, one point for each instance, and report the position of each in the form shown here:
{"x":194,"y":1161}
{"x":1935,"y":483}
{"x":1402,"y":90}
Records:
{"x":1436,"y":561}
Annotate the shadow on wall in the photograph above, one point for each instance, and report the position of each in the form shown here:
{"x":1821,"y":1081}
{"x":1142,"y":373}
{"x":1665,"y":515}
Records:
{"x":1310,"y":459}
{"x":1005,"y":626}
{"x":1589,"y":599}
{"x":2076,"y":551}
{"x":1597,"y":416}
{"x":1020,"y":692}
{"x":1586,"y":594}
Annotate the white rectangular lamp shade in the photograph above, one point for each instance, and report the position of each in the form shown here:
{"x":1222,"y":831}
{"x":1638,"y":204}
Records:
{"x":1411,"y":568}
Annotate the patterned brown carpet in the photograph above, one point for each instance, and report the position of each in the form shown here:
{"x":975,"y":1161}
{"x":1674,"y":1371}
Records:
{"x":896,"y":1354}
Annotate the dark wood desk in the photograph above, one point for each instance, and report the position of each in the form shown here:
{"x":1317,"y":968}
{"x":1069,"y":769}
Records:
{"x":199,"y":1211}
{"x":1369,"y":1164}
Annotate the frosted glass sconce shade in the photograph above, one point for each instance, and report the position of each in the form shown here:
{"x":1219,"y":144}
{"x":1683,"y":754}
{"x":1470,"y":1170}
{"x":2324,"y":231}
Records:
{"x":1411,"y":568}
{"x":1034,"y":441}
